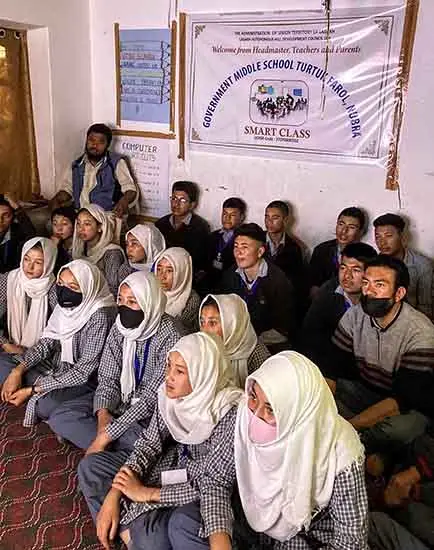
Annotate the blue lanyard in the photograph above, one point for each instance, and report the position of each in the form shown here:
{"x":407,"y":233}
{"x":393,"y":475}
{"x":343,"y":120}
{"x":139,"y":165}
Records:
{"x":139,"y":369}
{"x":185,"y":455}
{"x":222,"y":244}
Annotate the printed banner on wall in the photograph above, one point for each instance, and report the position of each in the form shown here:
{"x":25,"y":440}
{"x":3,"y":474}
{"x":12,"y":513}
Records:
{"x":258,"y":83}
{"x":144,"y":67}
{"x":148,"y":159}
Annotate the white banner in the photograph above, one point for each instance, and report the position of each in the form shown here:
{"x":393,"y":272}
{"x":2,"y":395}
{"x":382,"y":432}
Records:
{"x":149,"y":161}
{"x":258,"y":82}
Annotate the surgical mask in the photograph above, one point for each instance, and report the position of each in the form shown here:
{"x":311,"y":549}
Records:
{"x":68,"y":298}
{"x":259,"y":430}
{"x":130,"y":318}
{"x":376,"y":307}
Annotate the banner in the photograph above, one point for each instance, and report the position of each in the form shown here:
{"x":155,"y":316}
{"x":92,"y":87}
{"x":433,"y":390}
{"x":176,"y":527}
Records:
{"x":286,"y":83}
{"x":148,"y":160}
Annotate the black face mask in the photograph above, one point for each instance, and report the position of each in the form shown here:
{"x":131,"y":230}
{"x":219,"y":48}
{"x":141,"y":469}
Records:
{"x":67,"y":297}
{"x":376,"y":307}
{"x":130,"y":318}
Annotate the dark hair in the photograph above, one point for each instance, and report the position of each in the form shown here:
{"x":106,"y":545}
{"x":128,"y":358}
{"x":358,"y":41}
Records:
{"x":354,"y":212}
{"x":252,"y":230}
{"x":99,"y":128}
{"x":361,"y":252}
{"x":5,"y":202}
{"x":188,"y":187}
{"x":390,"y":219}
{"x":66,"y":212}
{"x":235,"y":202}
{"x":37,"y":246}
{"x":281,"y":205}
{"x":402,"y":276}
{"x":210,"y":301}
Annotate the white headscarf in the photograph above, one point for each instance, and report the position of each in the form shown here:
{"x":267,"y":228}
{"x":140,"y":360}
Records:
{"x":108,"y":226}
{"x":239,"y":336}
{"x":283,"y":483}
{"x":25,"y":330}
{"x":191,"y":419}
{"x":178,"y":295}
{"x":65,"y":322}
{"x":152,"y":240}
{"x":152,"y":301}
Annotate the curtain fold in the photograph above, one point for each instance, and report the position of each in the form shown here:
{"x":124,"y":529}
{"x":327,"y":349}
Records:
{"x":19,"y":174}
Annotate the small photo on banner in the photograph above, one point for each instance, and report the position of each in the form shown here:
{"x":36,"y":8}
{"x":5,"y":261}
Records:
{"x":281,"y":102}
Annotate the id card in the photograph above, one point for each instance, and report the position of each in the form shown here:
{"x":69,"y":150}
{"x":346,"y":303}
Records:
{"x":173,"y":477}
{"x":217,"y":265}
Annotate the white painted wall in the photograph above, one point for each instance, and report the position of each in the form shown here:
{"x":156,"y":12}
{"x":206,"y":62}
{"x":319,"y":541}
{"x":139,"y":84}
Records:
{"x":318,"y":191}
{"x":61,"y":78}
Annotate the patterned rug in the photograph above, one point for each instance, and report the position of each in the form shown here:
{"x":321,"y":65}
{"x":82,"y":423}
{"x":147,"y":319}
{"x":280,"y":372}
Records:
{"x":40,"y":508}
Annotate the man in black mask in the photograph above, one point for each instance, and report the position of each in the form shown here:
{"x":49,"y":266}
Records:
{"x":389,"y":398}
{"x":98,"y":176}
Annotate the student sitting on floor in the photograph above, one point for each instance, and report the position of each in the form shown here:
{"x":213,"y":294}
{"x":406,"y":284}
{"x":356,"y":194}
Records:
{"x":410,"y":498}
{"x":175,"y":273}
{"x":59,"y":367}
{"x":27,"y":299}
{"x":263,"y":286}
{"x":227,"y":316}
{"x":221,"y":243}
{"x":325,"y":259}
{"x":299,"y":465}
{"x":389,"y":238}
{"x":130,"y":371}
{"x":183,"y":227}
{"x":15,"y":229}
{"x":283,"y":250}
{"x":392,"y":344}
{"x":93,"y":236}
{"x":62,"y":229}
{"x":334,"y":298}
{"x":179,"y":497}
{"x":143,"y":243}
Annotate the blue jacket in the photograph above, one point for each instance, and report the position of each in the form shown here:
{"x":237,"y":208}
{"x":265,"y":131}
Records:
{"x":107,"y":191}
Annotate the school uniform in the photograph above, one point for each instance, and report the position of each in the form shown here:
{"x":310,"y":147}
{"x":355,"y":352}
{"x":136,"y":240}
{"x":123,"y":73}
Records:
{"x":11,"y":242}
{"x":198,"y":503}
{"x":324,"y":262}
{"x":131,"y":401}
{"x":220,"y":258}
{"x":191,"y":235}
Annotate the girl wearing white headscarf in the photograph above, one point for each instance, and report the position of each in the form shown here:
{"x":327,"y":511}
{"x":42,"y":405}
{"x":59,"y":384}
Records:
{"x":143,"y":244}
{"x":197,"y":408}
{"x":93,"y":241}
{"x":299,"y":465}
{"x":60,"y":365}
{"x":27,"y":298}
{"x":227,"y":316}
{"x":174,"y":270}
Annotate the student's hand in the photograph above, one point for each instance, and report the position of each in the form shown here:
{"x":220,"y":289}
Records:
{"x":128,"y":482}
{"x":99,"y":444}
{"x":20,"y":396}
{"x":121,"y":207}
{"x":12,"y":383}
{"x":400,"y":486}
{"x":13,"y":348}
{"x":220,"y":541}
{"x":104,"y":419}
{"x":11,"y":200}
{"x":107,"y":520}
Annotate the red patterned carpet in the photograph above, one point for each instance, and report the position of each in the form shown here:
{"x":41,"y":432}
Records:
{"x":40,"y":508}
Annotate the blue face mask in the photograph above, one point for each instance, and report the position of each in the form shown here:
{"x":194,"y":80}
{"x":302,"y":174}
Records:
{"x":68,"y":298}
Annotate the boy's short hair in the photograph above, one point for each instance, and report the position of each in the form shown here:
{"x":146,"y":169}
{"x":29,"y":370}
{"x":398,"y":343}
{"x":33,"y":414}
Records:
{"x":361,"y":252}
{"x":402,"y":276}
{"x":355,"y":212}
{"x":281,"y":205}
{"x":252,"y":230}
{"x":5,"y":202}
{"x":235,"y":202}
{"x":188,"y":187}
{"x":65,"y":211}
{"x":100,"y":128}
{"x":390,"y":219}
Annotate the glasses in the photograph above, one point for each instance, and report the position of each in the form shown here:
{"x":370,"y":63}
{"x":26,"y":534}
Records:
{"x":179,"y":200}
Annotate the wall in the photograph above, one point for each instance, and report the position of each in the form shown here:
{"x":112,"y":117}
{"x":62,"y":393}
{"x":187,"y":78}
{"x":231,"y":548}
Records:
{"x":60,"y":69}
{"x":318,"y":191}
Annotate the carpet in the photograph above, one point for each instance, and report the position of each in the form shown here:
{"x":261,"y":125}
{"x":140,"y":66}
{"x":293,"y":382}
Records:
{"x":40,"y":507}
